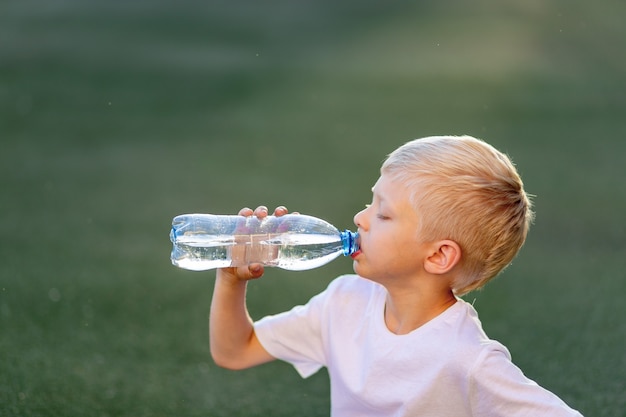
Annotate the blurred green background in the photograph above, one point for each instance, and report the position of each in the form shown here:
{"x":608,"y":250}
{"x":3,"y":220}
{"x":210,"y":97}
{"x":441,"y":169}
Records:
{"x":116,"y":116}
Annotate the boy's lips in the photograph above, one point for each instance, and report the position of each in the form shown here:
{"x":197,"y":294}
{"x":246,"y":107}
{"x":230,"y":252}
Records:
{"x":355,"y":254}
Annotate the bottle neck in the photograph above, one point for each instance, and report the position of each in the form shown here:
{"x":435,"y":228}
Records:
{"x":350,"y":242}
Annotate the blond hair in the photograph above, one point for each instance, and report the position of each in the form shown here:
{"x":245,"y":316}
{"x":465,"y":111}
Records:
{"x":466,"y":191}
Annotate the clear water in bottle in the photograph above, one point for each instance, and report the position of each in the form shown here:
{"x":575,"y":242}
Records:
{"x":288,"y":251}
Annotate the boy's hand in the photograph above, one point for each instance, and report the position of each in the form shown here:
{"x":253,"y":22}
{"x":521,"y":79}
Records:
{"x":255,"y":270}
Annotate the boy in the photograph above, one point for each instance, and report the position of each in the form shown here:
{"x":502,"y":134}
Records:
{"x":447,"y":215}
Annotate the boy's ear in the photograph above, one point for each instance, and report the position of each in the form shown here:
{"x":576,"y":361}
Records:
{"x":444,"y":255}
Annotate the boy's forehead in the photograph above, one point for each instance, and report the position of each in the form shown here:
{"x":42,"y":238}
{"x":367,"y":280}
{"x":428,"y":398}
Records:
{"x":384,"y":185}
{"x":393,"y":188}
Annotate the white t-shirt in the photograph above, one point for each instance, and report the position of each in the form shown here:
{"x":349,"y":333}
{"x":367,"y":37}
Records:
{"x":447,"y":367}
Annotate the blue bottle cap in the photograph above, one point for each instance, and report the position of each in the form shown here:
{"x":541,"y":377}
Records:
{"x":350,"y":242}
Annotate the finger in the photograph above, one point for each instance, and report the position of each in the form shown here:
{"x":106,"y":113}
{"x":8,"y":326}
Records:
{"x":251,"y":271}
{"x":255,"y":270}
{"x":242,"y":273}
{"x":280,"y":211}
{"x":245,"y":211}
{"x":261,"y":212}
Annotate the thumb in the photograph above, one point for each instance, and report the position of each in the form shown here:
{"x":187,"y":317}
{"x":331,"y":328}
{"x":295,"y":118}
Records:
{"x":242,"y":273}
{"x":254,"y":270}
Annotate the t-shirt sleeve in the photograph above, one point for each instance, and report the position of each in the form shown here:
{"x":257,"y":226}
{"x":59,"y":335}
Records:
{"x":296,"y":336}
{"x":499,"y":388}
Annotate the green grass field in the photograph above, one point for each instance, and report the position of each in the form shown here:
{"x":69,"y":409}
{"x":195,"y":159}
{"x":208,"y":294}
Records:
{"x":117,"y":116}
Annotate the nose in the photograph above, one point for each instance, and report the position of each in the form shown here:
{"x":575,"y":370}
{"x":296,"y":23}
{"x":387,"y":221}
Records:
{"x":359,"y":219}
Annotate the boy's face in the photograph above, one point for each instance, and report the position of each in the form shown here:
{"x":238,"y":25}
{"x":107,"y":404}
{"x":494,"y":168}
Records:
{"x":390,"y":247}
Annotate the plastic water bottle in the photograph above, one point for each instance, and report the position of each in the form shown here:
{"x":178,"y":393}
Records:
{"x":293,"y":241}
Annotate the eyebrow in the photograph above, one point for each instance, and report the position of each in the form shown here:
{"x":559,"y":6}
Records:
{"x":378,"y":195}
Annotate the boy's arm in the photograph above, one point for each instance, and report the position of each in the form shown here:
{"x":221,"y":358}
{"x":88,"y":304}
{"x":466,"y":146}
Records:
{"x":233,"y":342}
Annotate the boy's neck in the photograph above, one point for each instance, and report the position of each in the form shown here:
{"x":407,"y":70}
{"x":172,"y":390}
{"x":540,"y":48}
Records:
{"x":406,"y":311}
